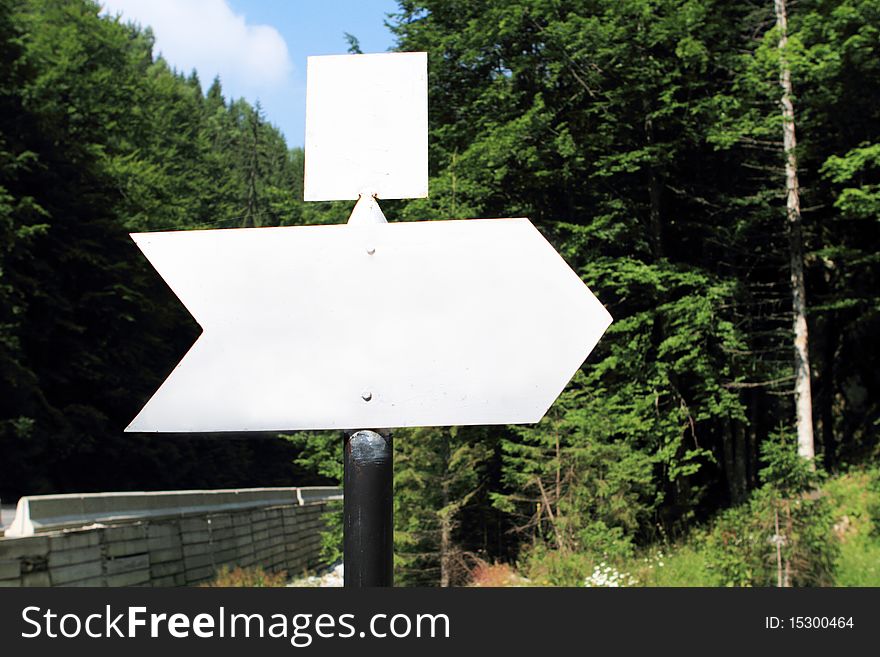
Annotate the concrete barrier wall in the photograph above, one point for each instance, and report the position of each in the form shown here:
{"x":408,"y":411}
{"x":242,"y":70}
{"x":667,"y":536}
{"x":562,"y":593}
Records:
{"x":170,"y":551}
{"x":44,"y":513}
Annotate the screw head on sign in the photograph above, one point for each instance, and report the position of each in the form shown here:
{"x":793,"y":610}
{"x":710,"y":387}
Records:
{"x":371,"y":250}
{"x":366,"y":395}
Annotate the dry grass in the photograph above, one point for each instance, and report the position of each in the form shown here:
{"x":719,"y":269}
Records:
{"x":247,"y":578}
{"x":486,"y":574}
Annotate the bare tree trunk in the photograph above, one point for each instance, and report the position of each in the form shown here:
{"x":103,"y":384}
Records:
{"x":826,"y":398}
{"x":778,"y":541}
{"x":754,"y":433}
{"x":558,"y":470}
{"x":729,"y":462}
{"x":740,"y":460}
{"x":445,"y":519}
{"x":445,"y":549}
{"x":789,"y":535}
{"x":802,"y":392}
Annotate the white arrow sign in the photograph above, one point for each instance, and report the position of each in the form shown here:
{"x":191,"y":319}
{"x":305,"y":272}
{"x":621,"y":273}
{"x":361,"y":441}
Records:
{"x":377,"y":325}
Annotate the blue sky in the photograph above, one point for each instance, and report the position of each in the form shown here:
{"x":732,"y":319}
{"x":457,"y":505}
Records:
{"x":259,"y":47}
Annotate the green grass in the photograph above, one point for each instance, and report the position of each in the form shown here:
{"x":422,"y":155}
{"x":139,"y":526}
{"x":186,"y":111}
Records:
{"x":856,"y":498}
{"x":859,"y":564}
{"x":676,"y":565}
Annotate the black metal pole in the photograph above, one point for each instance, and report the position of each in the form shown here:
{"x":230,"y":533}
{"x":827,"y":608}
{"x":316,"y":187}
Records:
{"x":367,"y":514}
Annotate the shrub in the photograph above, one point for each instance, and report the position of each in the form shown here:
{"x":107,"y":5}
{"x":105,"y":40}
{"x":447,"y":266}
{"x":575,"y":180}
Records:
{"x":874,"y":501}
{"x":247,"y":577}
{"x":856,"y":498}
{"x":784,"y":534}
{"x":486,"y":574}
{"x":597,"y":546}
{"x":331,"y":535}
{"x":681,"y":564}
{"x":550,"y":567}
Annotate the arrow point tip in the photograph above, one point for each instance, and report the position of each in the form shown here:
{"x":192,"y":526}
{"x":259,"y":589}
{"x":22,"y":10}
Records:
{"x":134,"y":426}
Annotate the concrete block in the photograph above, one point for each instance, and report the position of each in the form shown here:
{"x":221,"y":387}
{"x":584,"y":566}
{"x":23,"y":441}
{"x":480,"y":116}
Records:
{"x":169,"y":581}
{"x":166,"y":569}
{"x":40,"y":578}
{"x":74,"y":540}
{"x":198,"y":561}
{"x":122,"y":533}
{"x":221,"y":533}
{"x":76,"y":572}
{"x":195,"y":537}
{"x":239,"y":519}
{"x":126,"y":548}
{"x":132,"y":578}
{"x":127,"y":564}
{"x":160,"y":530}
{"x":225,"y":543}
{"x":13,"y":548}
{"x":193,"y":525}
{"x":219,"y":520}
{"x":91,"y":582}
{"x":225,"y":556}
{"x":69,"y":557}
{"x":196,"y":549}
{"x":163,"y":543}
{"x":165,"y":556}
{"x":199,"y":575}
{"x":244,"y":541}
{"x":10,"y":569}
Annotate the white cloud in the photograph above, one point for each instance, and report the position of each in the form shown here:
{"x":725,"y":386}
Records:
{"x":208,"y":36}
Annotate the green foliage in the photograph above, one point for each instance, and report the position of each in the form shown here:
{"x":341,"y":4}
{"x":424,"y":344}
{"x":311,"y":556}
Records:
{"x":784,"y":534}
{"x":321,"y":453}
{"x":643,"y":139}
{"x":859,"y":564}
{"x":440,"y":473}
{"x":331,"y":535}
{"x":856,"y":501}
{"x":98,"y":138}
{"x":573,"y":489}
{"x":734,"y":548}
{"x":551,"y":567}
{"x":873,"y":507}
{"x":673,"y":565}
{"x":859,"y":199}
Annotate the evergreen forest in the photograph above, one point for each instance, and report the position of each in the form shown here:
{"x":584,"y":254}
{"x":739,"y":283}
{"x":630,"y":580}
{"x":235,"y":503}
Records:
{"x":710,"y":168}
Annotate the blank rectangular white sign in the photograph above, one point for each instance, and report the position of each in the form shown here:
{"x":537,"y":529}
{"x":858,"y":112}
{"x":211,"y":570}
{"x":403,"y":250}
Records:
{"x":367,"y":126}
